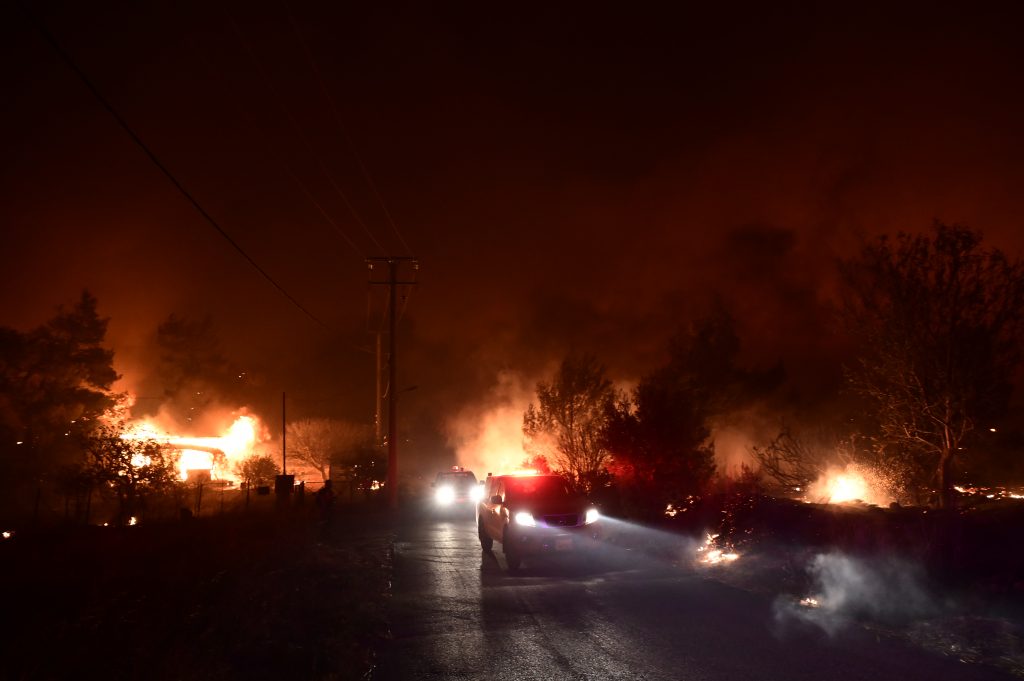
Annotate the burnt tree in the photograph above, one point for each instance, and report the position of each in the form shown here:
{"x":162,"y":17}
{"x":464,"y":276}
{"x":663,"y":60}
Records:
{"x":937,"y":321}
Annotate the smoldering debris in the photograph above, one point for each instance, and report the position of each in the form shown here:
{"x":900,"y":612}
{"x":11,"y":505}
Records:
{"x":846,"y":589}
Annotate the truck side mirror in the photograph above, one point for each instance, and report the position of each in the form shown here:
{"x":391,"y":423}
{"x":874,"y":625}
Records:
{"x":496,"y":499}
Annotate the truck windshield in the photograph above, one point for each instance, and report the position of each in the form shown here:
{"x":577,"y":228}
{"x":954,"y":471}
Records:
{"x":456,"y":479}
{"x":542,"y":486}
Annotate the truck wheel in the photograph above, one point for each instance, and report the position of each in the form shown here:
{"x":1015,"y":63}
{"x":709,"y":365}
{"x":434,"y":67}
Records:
{"x":485,"y":540}
{"x":513,"y":559}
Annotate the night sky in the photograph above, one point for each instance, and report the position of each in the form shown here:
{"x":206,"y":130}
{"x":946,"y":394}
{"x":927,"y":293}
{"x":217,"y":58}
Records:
{"x":586,"y":178}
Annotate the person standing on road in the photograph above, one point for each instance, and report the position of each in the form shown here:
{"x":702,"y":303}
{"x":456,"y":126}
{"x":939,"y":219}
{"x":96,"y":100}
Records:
{"x":325,"y":502}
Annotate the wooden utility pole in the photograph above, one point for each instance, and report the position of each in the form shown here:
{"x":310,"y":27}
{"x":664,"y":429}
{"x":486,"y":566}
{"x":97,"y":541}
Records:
{"x":378,"y":417}
{"x":392,"y":282}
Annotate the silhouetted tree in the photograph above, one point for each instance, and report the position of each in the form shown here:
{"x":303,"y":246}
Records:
{"x":567,"y":426}
{"x":705,"y":356}
{"x":938,"y":322}
{"x":537,"y":462}
{"x":319,"y":442}
{"x":659,"y":435}
{"x":795,"y":460}
{"x":132,"y":471}
{"x":659,"y":441}
{"x":55,"y":383}
{"x":256,"y":470}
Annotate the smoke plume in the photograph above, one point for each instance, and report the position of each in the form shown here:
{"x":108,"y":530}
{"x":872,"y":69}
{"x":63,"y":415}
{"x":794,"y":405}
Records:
{"x":488,"y":435}
{"x":847,"y":589}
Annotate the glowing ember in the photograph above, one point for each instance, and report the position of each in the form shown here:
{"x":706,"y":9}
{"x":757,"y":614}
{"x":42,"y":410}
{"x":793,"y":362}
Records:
{"x":133,"y":521}
{"x":809,"y":602}
{"x":715,"y":556}
{"x":8,"y":534}
{"x":712,"y":555}
{"x":990,"y":492}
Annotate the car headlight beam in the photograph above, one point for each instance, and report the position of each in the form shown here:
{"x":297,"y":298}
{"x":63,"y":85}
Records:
{"x":592,"y":516}
{"x":526,"y":519}
{"x":444,"y":495}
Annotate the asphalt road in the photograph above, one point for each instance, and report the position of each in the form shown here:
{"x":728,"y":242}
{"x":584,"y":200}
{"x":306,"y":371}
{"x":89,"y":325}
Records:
{"x":457,"y":613}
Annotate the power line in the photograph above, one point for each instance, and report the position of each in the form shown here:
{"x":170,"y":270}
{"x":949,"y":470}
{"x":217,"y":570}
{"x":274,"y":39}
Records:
{"x":324,"y":212}
{"x":66,"y":58}
{"x":351,"y":208}
{"x":407,"y":294}
{"x":343,"y":129}
{"x":298,"y":128}
{"x":245,"y":113}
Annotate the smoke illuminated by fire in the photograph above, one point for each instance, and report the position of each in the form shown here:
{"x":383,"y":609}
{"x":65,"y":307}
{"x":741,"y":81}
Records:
{"x":488,"y":437}
{"x":217,"y":454}
{"x":847,"y":487}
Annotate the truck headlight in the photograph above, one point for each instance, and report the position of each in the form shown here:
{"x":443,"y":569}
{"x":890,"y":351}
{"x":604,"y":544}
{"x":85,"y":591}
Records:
{"x":444,"y":495}
{"x":592,"y":516}
{"x":476,"y":493}
{"x":526,"y":519}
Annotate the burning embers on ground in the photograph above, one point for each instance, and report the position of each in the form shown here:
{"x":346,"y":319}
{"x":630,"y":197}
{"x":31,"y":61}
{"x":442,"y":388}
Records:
{"x":711,"y":553}
{"x":215,"y":456}
{"x":991,"y":492}
{"x":855,"y":484}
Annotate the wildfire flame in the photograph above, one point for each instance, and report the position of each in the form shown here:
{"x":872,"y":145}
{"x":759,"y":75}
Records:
{"x":201,"y":453}
{"x":847,"y":487}
{"x":712,"y":555}
{"x":850,"y":484}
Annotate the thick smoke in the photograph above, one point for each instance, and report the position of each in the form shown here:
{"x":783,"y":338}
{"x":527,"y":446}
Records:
{"x":488,"y":435}
{"x":848,"y":588}
{"x":735,"y":433}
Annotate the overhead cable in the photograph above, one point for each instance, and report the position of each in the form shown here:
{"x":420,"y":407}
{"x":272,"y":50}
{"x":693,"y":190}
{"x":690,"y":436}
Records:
{"x":298,"y":129}
{"x":70,"y":62}
{"x":344,"y":132}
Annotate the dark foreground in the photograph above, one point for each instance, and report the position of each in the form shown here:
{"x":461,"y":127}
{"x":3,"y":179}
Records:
{"x":240,"y":596}
{"x":266,"y":595}
{"x":457,"y":613}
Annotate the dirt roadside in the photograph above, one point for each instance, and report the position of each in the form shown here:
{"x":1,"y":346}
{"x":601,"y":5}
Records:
{"x":254,"y":596}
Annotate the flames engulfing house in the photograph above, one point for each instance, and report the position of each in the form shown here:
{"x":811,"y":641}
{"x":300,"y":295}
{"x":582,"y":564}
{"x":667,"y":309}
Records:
{"x":217,"y":456}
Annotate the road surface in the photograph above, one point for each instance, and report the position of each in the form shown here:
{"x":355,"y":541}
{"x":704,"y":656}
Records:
{"x":457,"y":613}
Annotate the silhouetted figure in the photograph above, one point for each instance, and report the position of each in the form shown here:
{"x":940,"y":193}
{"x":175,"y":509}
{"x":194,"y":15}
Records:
{"x":325,"y":501}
